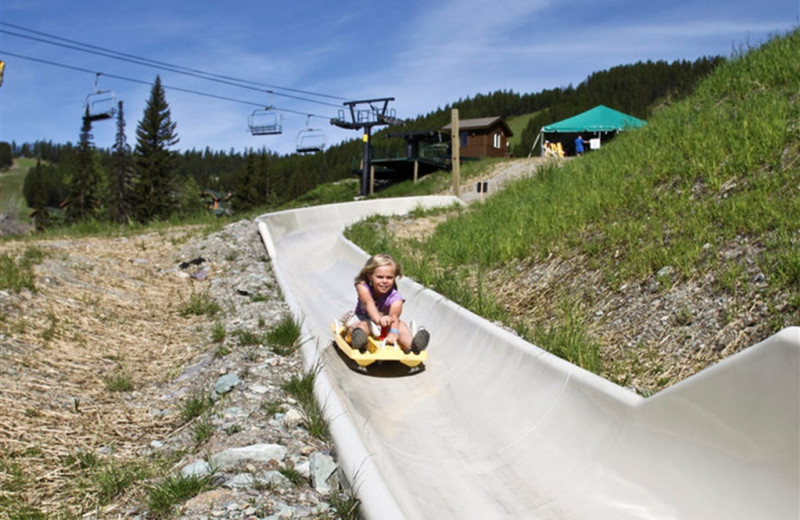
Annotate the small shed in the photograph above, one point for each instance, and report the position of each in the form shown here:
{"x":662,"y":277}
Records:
{"x":597,"y":125}
{"x":483,"y":137}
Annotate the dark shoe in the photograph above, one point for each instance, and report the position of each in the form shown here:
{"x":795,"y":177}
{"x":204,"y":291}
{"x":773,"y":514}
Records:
{"x":420,"y":341}
{"x":358,"y":339}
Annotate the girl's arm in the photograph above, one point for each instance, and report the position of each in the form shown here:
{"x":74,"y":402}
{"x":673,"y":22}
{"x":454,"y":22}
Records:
{"x":394,"y":321}
{"x":394,"y":313}
{"x":365,"y":296}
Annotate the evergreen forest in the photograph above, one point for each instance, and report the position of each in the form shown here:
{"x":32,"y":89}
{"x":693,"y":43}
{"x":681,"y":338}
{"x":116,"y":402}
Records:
{"x":150,"y":181}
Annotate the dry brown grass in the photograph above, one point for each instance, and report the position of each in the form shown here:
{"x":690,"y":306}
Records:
{"x":103,"y":306}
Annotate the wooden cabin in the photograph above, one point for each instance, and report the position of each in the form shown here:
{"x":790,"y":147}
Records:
{"x":483,"y":137}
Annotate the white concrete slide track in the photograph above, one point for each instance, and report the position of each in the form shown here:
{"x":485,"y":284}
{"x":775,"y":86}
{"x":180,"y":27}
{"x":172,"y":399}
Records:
{"x":495,"y":427}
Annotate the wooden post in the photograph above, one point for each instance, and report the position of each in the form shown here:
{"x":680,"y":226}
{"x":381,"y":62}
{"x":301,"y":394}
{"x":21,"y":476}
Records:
{"x":455,"y":146}
{"x":416,"y":171}
{"x":371,"y":179}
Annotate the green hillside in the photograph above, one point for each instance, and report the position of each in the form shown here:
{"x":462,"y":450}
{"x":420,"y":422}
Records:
{"x":12,"y":202}
{"x":705,"y":199}
{"x":518,"y":125}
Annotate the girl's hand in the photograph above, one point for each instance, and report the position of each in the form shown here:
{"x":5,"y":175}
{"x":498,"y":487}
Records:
{"x":392,"y":336}
{"x":386,"y":320}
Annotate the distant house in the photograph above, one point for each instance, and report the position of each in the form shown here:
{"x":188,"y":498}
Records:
{"x":483,"y":137}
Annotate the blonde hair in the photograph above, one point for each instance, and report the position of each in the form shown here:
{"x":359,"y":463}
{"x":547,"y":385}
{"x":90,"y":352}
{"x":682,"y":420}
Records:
{"x":375,"y":262}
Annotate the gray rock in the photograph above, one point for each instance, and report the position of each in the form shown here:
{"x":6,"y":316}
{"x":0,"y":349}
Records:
{"x":255,"y":453}
{"x":240,"y":480}
{"x":292,"y":418}
{"x":304,"y":468}
{"x":273,"y":477}
{"x":199,"y":468}
{"x":226,"y":383}
{"x":323,"y":473}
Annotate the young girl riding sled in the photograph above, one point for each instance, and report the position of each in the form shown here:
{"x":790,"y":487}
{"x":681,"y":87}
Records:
{"x":380,"y":303}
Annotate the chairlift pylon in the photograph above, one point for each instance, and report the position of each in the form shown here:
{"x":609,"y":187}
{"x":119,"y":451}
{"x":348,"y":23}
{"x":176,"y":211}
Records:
{"x":100,"y":104}
{"x":311,"y":140}
{"x":265,"y":122}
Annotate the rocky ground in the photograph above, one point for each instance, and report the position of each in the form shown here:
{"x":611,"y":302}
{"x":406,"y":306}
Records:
{"x":105,"y":307}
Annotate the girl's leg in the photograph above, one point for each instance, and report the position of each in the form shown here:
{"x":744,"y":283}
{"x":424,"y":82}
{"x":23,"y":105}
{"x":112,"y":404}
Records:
{"x":404,"y":338}
{"x":359,"y":334}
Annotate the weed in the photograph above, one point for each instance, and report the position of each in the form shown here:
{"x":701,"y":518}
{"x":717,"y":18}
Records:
{"x":302,"y":389}
{"x":202,"y":430}
{"x":729,"y":277}
{"x":112,"y":480}
{"x":271,"y":407}
{"x":50,"y":332}
{"x":119,"y":381}
{"x":15,"y":275}
{"x":283,"y":338}
{"x":233,"y":429}
{"x":247,"y":337}
{"x":82,"y":460}
{"x":569,"y":340}
{"x":218,"y":333}
{"x":196,"y":405}
{"x":222,"y":351}
{"x":172,"y":490}
{"x":346,"y":505}
{"x":684,"y":316}
{"x":199,"y":304}
{"x":294,"y":476}
{"x":250,"y":355}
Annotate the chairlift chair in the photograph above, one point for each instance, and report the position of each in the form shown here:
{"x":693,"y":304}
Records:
{"x":265,"y":122}
{"x":100,"y":104}
{"x":311,"y":140}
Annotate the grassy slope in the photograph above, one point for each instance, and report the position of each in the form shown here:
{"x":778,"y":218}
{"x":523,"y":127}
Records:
{"x":720,"y":165}
{"x":709,"y":190}
{"x":517,"y":125}
{"x":11,"y":200}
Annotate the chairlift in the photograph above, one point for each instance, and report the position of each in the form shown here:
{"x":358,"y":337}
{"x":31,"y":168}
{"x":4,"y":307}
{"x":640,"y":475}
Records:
{"x":100,"y":104}
{"x":265,"y":122}
{"x":311,"y":140}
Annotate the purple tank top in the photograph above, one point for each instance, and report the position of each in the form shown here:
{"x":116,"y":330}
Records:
{"x":383,"y":303}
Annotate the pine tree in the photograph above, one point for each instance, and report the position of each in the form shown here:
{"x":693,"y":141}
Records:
{"x":120,"y":175}
{"x":155,"y":164}
{"x":5,"y":155}
{"x":84,"y":186}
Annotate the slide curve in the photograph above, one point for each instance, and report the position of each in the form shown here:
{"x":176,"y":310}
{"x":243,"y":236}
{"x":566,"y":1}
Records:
{"x":495,"y":427}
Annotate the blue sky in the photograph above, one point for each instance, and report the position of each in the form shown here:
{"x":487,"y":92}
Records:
{"x":424,"y":54}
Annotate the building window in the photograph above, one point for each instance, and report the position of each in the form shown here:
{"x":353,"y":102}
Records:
{"x":497,"y":140}
{"x":463,"y":136}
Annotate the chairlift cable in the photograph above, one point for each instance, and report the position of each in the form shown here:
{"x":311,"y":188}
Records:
{"x":166,"y":87}
{"x":83,"y":47}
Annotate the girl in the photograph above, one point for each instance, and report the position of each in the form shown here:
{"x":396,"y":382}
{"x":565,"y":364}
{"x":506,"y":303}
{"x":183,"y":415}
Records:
{"x":380,"y":302}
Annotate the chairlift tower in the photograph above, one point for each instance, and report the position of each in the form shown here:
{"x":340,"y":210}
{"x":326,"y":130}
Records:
{"x":376,"y":113}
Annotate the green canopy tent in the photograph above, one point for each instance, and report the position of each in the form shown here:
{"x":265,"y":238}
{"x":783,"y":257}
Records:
{"x":603,"y":122}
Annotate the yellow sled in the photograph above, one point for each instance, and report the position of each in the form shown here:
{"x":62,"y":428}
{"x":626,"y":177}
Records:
{"x":377,"y":350}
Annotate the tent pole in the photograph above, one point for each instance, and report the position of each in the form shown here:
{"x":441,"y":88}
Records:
{"x":534,"y":144}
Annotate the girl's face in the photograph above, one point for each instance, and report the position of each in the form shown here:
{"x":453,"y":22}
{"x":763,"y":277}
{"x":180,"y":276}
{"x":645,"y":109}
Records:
{"x":382,"y":279}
